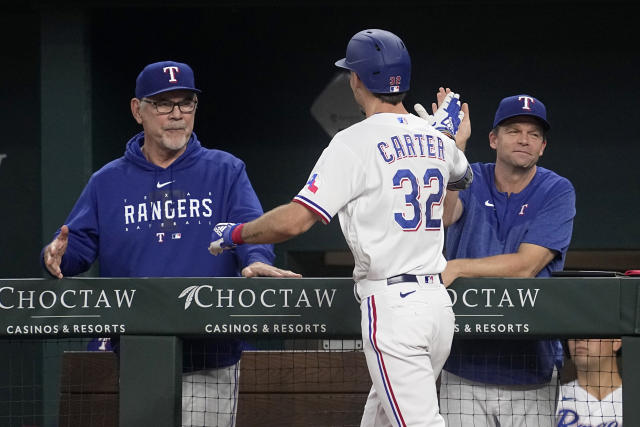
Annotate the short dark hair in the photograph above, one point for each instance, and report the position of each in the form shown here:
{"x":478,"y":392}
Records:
{"x":391,"y":98}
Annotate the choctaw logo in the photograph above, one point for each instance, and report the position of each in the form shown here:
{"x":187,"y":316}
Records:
{"x":269,"y":298}
{"x":189,"y":293}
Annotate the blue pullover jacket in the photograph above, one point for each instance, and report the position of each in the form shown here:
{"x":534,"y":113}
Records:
{"x":495,"y":223}
{"x":141,"y":220}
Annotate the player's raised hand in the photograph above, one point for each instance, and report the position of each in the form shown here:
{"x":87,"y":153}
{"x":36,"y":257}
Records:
{"x":55,"y":250}
{"x":260,"y":269}
{"x":221,"y":237}
{"x":447,"y":113}
{"x":422,"y":112}
{"x":440,"y":96}
{"x":464,"y":130}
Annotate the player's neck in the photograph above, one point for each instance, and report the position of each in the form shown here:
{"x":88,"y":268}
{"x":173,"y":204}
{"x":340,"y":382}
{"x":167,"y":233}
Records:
{"x":600,"y":384}
{"x":375,"y":106}
{"x":512,"y":180}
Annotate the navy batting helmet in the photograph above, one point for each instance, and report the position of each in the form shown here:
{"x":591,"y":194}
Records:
{"x":380,"y":59}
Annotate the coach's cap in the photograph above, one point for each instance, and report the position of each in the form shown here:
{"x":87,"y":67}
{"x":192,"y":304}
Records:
{"x":521,"y":105}
{"x":164,"y":76}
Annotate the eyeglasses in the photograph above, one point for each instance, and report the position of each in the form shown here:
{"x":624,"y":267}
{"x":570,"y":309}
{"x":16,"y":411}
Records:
{"x":186,"y":106}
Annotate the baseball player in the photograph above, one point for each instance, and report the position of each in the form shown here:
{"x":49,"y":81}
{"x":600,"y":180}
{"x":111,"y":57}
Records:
{"x":594,"y":399}
{"x":386,"y":178}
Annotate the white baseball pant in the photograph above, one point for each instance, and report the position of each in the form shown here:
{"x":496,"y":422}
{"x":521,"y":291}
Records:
{"x":469,"y":403}
{"x":407,"y":330}
{"x":210,"y":397}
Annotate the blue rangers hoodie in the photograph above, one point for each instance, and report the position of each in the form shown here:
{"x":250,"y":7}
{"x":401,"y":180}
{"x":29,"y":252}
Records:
{"x":141,"y":220}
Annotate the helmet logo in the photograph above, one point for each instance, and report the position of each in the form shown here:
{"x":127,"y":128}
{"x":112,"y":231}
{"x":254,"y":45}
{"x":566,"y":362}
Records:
{"x":394,"y":83}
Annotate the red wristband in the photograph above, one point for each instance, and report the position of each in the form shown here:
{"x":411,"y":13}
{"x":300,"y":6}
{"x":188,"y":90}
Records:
{"x":236,"y":235}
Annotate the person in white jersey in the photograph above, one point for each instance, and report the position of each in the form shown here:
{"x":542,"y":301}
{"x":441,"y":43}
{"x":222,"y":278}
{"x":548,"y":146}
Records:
{"x":386,"y":178}
{"x":594,"y":398}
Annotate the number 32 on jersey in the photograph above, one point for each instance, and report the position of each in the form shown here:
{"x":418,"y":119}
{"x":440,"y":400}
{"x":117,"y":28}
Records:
{"x":432,"y":180}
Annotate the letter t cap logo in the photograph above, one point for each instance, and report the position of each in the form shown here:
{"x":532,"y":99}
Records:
{"x":172,"y":70}
{"x":527,"y":100}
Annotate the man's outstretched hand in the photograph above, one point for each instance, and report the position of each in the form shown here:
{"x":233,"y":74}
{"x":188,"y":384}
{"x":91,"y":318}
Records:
{"x":55,"y":250}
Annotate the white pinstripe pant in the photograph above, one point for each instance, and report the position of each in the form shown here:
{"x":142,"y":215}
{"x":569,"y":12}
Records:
{"x":406,"y":341}
{"x":210,"y":397}
{"x":470,"y":403}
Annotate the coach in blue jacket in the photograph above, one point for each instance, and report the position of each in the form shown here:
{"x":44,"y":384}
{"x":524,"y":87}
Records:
{"x":150,"y":214}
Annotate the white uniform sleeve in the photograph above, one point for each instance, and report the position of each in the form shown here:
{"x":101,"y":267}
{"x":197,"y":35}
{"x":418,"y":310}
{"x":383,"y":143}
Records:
{"x":336,"y":179}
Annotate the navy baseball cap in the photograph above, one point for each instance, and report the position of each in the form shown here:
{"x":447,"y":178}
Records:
{"x":164,"y":76}
{"x":521,"y":105}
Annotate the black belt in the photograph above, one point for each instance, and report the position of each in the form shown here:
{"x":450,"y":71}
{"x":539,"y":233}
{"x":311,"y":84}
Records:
{"x":404,"y":278}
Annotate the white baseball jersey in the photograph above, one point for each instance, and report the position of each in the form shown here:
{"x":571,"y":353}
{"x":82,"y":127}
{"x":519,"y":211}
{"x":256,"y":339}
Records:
{"x":386,"y":178}
{"x":576,"y":407}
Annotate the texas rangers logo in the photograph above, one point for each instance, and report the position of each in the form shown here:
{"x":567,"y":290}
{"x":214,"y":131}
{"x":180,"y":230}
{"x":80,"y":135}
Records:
{"x":172,"y":70}
{"x":527,"y":100}
{"x":312,"y":184}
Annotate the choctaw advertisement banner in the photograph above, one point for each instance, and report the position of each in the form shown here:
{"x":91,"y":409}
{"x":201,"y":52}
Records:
{"x":312,"y":307}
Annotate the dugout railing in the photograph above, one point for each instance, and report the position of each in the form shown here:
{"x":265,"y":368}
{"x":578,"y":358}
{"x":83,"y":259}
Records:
{"x":151,"y":316}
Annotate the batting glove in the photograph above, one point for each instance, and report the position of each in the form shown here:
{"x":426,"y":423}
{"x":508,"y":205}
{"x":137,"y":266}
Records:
{"x":222,"y":237}
{"x":447,"y":117}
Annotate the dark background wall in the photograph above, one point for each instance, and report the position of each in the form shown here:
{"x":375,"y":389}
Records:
{"x":261,"y":66}
{"x":20,"y":215}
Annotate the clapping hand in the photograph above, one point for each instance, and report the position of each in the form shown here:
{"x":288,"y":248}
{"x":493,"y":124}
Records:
{"x":449,"y":116}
